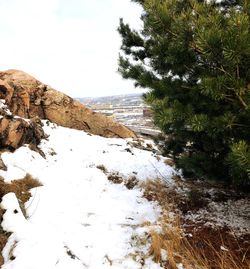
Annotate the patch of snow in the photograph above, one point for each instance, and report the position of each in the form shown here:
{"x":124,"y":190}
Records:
{"x":17,"y":117}
{"x":232,"y":213}
{"x":223,"y":248}
{"x":180,"y":266}
{"x":78,"y":218}
{"x":4,"y":107}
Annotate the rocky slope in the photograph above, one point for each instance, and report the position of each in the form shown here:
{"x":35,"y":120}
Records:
{"x":27,"y":97}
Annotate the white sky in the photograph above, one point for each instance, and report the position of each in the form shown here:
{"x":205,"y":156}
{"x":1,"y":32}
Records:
{"x":72,"y":45}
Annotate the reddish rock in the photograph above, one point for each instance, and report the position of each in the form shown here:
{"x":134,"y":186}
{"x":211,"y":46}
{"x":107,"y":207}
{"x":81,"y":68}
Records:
{"x":15,"y":132}
{"x":28,"y":97}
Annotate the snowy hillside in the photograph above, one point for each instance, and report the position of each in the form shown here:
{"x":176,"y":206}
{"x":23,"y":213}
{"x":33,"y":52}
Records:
{"x":79,"y":218}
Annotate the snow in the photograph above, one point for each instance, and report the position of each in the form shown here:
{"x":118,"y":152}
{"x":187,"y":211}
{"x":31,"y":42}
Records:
{"x":231,"y":213}
{"x":78,"y":218}
{"x":223,"y":248}
{"x":4,"y":107}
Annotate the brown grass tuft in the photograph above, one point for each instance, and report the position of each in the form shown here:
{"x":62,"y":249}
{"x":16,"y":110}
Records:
{"x":115,"y":178}
{"x":102,"y":168}
{"x":20,"y":187}
{"x":169,"y":162}
{"x":156,"y":246}
{"x":131,"y":182}
{"x":157,"y":190}
{"x":180,"y":250}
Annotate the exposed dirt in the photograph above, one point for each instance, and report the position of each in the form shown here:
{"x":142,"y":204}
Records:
{"x":214,"y":220}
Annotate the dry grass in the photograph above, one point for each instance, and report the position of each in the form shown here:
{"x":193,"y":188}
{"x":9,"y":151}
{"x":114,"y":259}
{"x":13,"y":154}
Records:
{"x":169,"y":162}
{"x":116,"y":178}
{"x":202,"y":250}
{"x":21,"y":188}
{"x":180,"y":250}
{"x":131,"y":182}
{"x":102,"y":168}
{"x":3,"y":240}
{"x":170,"y":241}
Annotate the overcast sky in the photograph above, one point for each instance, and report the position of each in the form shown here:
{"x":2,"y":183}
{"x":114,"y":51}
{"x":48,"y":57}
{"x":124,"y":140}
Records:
{"x":72,"y":45}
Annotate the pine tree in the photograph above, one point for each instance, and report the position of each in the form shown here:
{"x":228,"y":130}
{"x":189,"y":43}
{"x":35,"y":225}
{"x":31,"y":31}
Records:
{"x":193,"y":57}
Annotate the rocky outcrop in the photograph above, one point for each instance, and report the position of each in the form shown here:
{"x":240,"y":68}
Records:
{"x":16,"y":131}
{"x":28,"y":98}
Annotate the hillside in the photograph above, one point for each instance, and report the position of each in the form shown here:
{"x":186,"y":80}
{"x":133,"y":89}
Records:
{"x":114,"y":100}
{"x":79,"y":218}
{"x":95,"y":208}
{"x":74,"y":199}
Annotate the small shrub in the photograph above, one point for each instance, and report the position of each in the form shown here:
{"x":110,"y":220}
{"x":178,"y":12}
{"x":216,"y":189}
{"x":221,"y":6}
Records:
{"x":102,"y":168}
{"x":115,"y":178}
{"x":131,"y":182}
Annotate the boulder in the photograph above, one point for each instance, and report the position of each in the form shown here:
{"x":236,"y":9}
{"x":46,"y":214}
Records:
{"x":28,"y":98}
{"x":15,"y":132}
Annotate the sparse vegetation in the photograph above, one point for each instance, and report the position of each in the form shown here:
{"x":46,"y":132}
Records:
{"x":116,"y":178}
{"x":131,"y":182}
{"x":21,"y":189}
{"x":102,"y":168}
{"x":180,"y":249}
{"x":195,"y":245}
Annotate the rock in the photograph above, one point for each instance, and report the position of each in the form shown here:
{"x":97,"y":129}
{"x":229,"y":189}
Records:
{"x":28,"y":97}
{"x":2,"y":165}
{"x":6,"y":92}
{"x":63,"y":110}
{"x":15,"y":132}
{"x":25,"y":90}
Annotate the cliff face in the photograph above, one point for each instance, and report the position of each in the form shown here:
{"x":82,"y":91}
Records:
{"x":27,"y":97}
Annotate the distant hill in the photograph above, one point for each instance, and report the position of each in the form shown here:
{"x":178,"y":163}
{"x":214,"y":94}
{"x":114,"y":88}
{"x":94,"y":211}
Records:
{"x":115,"y":100}
{"x":128,"y":109}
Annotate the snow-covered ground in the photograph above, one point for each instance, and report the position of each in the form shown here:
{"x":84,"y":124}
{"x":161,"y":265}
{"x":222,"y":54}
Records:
{"x":78,"y":218}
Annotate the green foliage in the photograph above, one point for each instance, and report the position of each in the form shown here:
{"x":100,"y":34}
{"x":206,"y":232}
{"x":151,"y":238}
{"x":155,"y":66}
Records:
{"x":193,"y":57}
{"x":239,"y":160}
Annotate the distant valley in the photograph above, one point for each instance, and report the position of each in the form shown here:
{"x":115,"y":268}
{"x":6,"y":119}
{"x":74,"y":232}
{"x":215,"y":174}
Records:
{"x":128,"y":109}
